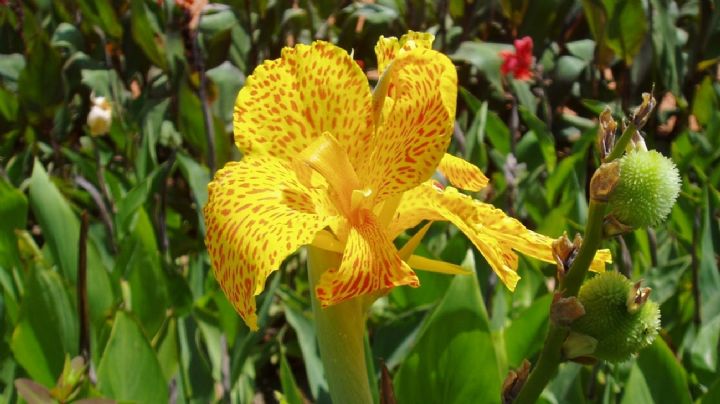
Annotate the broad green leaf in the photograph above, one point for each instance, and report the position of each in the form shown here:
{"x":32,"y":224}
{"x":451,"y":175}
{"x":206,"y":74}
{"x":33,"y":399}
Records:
{"x":713,"y":394}
{"x":60,"y":226}
{"x":706,"y":101}
{"x":627,"y":26}
{"x":704,"y":351}
{"x":129,"y":369}
{"x":524,"y":336}
{"x":485,"y":57}
{"x":140,"y":264}
{"x":101,"y":13}
{"x":664,"y":35}
{"x":544,"y":136}
{"x":498,"y":133}
{"x":13,"y":210}
{"x":291,"y":392}
{"x":40,"y":85}
{"x":48,"y":327}
{"x":145,"y":35}
{"x":198,"y":177}
{"x":301,"y":322}
{"x":453,"y":360}
{"x":660,"y":375}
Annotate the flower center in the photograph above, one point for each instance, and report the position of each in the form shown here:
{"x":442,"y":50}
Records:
{"x":328,"y":158}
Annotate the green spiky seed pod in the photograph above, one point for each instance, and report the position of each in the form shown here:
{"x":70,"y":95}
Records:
{"x":646,"y":191}
{"x":618,"y":315}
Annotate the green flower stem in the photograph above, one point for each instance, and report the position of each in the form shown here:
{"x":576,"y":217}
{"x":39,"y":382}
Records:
{"x":551,"y":355}
{"x":621,"y":145}
{"x":340,"y":332}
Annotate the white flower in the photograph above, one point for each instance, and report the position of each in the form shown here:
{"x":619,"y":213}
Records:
{"x":100,"y":116}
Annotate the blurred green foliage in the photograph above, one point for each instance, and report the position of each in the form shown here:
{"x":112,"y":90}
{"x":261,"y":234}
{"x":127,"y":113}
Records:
{"x":160,"y":329}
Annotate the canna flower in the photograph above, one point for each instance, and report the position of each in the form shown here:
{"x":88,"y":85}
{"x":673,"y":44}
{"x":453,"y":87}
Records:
{"x":330,"y":163}
{"x":520,"y":61}
{"x":99,"y":118}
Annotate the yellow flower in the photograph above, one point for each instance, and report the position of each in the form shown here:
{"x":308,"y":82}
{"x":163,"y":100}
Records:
{"x":328,"y":162}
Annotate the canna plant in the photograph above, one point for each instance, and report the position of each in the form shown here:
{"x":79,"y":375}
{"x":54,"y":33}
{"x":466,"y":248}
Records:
{"x":331,"y":165}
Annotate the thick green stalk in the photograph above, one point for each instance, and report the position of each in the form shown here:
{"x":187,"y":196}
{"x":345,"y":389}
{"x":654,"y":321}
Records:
{"x":340,"y":332}
{"x":551,"y":355}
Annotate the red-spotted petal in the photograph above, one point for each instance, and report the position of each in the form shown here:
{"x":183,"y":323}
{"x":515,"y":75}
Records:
{"x":387,"y":49}
{"x":370,"y":264}
{"x":257,"y":214}
{"x":288,"y":102}
{"x":462,"y":174}
{"x":417,"y":121}
{"x":495,"y":234}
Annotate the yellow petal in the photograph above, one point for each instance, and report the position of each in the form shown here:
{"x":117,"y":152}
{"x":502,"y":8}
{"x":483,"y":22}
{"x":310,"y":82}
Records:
{"x":442,"y":267}
{"x":417,"y":123}
{"x":257,"y":214}
{"x":370,"y":264}
{"x":387,"y":49}
{"x":288,"y":102}
{"x":495,"y":234}
{"x":462,"y":174}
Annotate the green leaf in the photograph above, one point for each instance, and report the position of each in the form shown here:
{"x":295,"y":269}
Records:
{"x":48,"y":327}
{"x":140,"y":264}
{"x":705,"y":102}
{"x":40,"y":85}
{"x":60,"y":226}
{"x":453,"y":360}
{"x":13,"y":210}
{"x":101,"y":13}
{"x":524,"y":337}
{"x":145,"y":35}
{"x":713,"y":394}
{"x":198,"y":177}
{"x":544,"y":136}
{"x":301,"y":322}
{"x":626,"y":27}
{"x":704,"y":350}
{"x":292,"y":393}
{"x":485,"y":57}
{"x":658,"y":377}
{"x":129,"y":369}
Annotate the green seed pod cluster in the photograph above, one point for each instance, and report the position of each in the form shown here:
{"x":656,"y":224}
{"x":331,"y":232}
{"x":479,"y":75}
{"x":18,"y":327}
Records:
{"x":618,"y":315}
{"x":646,"y":191}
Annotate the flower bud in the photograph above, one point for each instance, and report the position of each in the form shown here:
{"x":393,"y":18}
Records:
{"x":100,"y":116}
{"x":646,"y":191}
{"x":618,"y":315}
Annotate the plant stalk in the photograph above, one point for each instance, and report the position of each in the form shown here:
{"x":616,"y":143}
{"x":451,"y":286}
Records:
{"x":340,"y":332}
{"x":551,"y":355}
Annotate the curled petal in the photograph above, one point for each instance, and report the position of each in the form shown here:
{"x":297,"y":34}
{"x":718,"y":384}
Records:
{"x":370,"y":264}
{"x":288,"y":102}
{"x":462,"y":174}
{"x":495,"y":234}
{"x":257,"y":214}
{"x":418,"y":115}
{"x":387,"y":49}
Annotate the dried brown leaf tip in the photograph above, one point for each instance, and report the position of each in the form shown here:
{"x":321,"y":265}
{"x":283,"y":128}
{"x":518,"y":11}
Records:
{"x":606,"y":132}
{"x":637,"y":297}
{"x":642,"y":112}
{"x":514,"y":382}
{"x":564,"y":253}
{"x":604,"y":180}
{"x":565,"y":310}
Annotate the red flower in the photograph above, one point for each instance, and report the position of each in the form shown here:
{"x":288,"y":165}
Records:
{"x":519,"y":62}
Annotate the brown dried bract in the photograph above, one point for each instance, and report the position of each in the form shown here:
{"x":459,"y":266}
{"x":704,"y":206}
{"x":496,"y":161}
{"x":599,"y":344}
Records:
{"x":565,"y":310}
{"x":514,"y":382}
